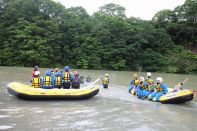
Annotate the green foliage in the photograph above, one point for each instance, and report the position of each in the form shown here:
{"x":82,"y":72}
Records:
{"x":45,"y":33}
{"x":113,"y":10}
{"x":153,"y":61}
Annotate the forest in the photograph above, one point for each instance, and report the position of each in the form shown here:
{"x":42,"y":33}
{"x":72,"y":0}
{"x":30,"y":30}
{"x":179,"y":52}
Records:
{"x":47,"y":34}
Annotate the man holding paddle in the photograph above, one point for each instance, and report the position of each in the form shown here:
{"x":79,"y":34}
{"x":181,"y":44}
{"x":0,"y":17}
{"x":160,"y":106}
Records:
{"x":179,"y":85}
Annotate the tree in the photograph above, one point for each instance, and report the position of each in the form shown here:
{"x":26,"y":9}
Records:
{"x":163,"y":18}
{"x":113,"y":10}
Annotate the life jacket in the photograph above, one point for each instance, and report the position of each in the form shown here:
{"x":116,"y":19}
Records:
{"x":106,"y":80}
{"x":81,"y":79}
{"x":58,"y":80}
{"x":36,"y":82}
{"x":66,"y":77}
{"x":135,"y":82}
{"x":158,"y":88}
{"x":142,"y":86}
{"x":47,"y":81}
{"x":150,"y":87}
{"x":88,"y":79}
{"x":76,"y":83}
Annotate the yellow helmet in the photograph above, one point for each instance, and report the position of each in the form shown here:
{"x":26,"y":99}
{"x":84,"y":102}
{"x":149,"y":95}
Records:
{"x":135,"y":75}
{"x":150,"y":81}
{"x":106,"y":75}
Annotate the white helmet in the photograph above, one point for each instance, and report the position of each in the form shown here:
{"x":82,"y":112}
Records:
{"x":141,"y":78}
{"x":148,"y":74}
{"x":37,"y":73}
{"x":160,"y":79}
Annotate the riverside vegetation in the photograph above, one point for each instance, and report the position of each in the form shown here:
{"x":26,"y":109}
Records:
{"x":47,"y":34}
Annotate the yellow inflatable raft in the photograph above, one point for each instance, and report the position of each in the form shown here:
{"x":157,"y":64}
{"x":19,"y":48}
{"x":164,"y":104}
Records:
{"x":24,"y":91}
{"x":177,"y":97}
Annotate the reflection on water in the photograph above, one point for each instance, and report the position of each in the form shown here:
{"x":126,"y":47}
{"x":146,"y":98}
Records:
{"x":111,"y":109}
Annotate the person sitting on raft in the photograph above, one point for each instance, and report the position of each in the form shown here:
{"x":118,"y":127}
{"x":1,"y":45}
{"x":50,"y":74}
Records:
{"x":47,"y":81}
{"x":148,"y":77}
{"x":36,"y":80}
{"x":149,"y":89}
{"x":161,"y":89}
{"x":105,"y":81}
{"x":88,"y":78}
{"x":57,"y":80}
{"x":134,"y":82}
{"x":67,"y":78}
{"x":76,"y":80}
{"x":33,"y":72}
{"x":141,"y":87}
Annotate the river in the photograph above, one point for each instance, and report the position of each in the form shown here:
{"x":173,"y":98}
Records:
{"x":112,"y":109}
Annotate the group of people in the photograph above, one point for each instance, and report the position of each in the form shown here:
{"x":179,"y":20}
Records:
{"x":61,"y":79}
{"x":57,"y":79}
{"x":145,"y":87}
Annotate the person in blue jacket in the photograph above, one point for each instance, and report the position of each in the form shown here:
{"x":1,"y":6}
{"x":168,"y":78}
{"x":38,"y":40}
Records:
{"x":47,"y":81}
{"x":57,"y":80}
{"x":67,"y":78}
{"x":160,"y":88}
{"x":141,"y":87}
{"x":149,"y":89}
{"x":134,"y":82}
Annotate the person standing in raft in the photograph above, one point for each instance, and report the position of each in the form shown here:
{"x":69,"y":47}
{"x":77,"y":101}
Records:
{"x":161,"y":89}
{"x":141,"y":87}
{"x":148,"y":77}
{"x":33,"y":72}
{"x":47,"y":81}
{"x":134,"y":82}
{"x":76,"y":80}
{"x":88,"y":78}
{"x":67,"y":78}
{"x":36,"y":80}
{"x":106,"y":81}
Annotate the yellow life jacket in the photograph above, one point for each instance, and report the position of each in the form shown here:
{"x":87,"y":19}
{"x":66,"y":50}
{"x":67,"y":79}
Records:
{"x":106,"y":80}
{"x":158,"y":88}
{"x":88,"y":79}
{"x":66,"y":77}
{"x":82,"y":79}
{"x":142,"y":86}
{"x":150,"y":87}
{"x":136,"y":82}
{"x":47,"y":81}
{"x":36,"y":82}
{"x":58,"y":81}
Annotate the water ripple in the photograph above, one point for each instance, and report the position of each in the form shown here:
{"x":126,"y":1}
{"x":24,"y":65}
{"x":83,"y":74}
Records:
{"x":4,"y":116}
{"x":4,"y":127}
